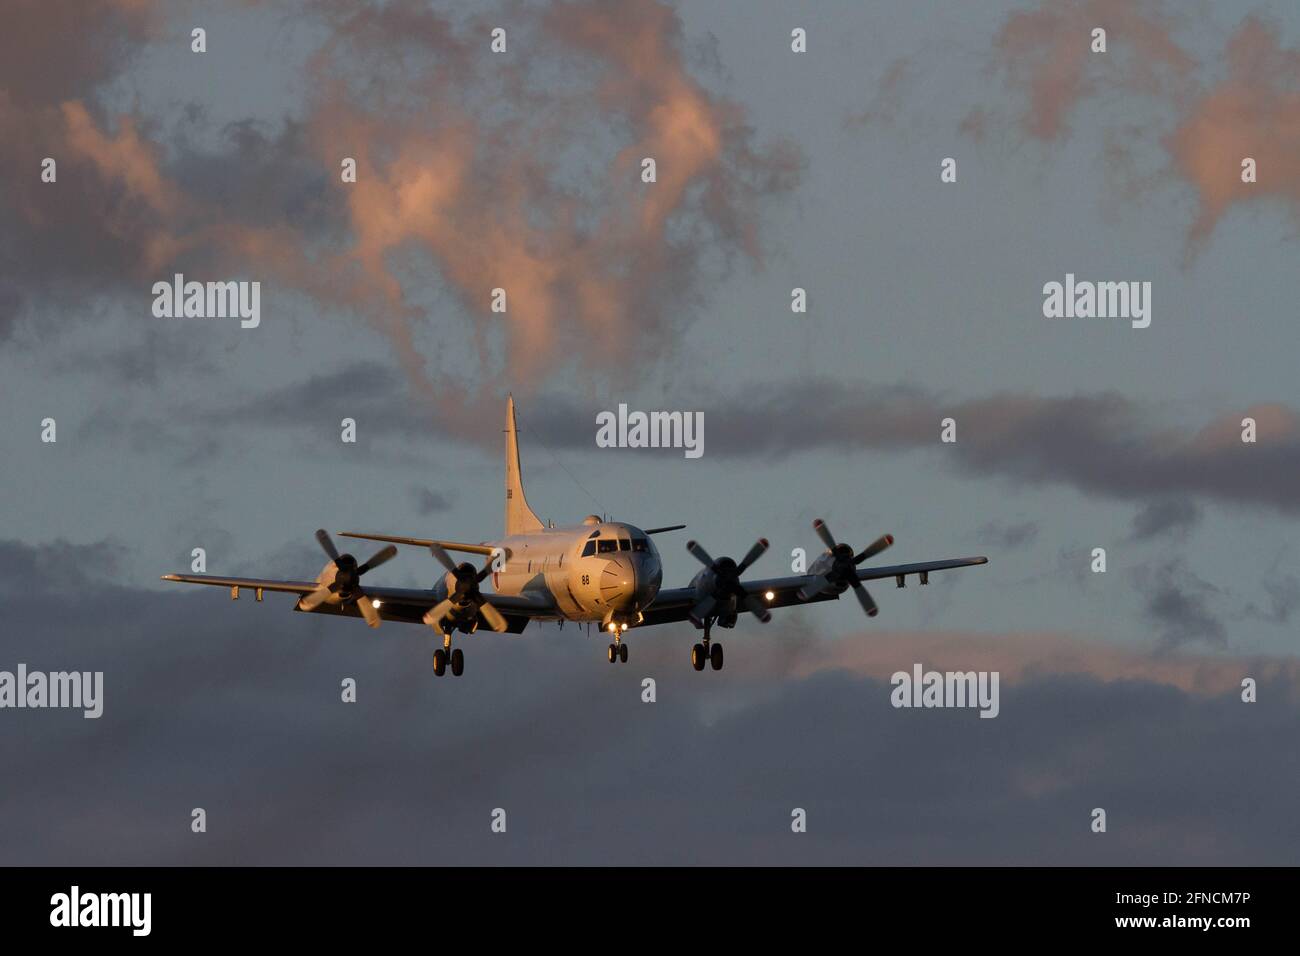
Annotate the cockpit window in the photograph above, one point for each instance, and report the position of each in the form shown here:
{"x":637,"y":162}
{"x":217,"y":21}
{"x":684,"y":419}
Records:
{"x":606,"y":545}
{"x":624,"y":544}
{"x":589,"y":550}
{"x":594,"y":533}
{"x":640,"y":544}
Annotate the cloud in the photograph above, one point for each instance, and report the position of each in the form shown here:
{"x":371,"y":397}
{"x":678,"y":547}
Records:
{"x":1005,"y":535}
{"x":1209,"y":115}
{"x":1179,"y":603}
{"x":888,"y":101}
{"x":429,"y":502}
{"x":1100,"y":444}
{"x":1284,"y":598}
{"x":519,"y":171}
{"x":59,"y":567}
{"x":1046,"y":54}
{"x":1167,"y":516}
{"x":1254,"y":111}
{"x":1026,"y":657}
{"x":235,"y":707}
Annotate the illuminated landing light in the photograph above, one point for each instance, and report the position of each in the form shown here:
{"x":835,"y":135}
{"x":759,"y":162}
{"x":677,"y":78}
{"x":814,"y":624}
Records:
{"x":612,"y":627}
{"x":623,"y":627}
{"x":377,"y":604}
{"x":770,"y":595}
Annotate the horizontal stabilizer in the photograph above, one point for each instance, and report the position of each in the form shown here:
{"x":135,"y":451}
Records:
{"x":422,"y":542}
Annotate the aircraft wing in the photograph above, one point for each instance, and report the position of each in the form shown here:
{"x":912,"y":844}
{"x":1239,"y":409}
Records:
{"x":674,"y":604}
{"x":407,"y":605}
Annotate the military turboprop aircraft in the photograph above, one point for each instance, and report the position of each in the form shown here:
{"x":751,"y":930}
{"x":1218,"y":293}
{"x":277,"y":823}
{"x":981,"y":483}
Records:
{"x":606,"y":571}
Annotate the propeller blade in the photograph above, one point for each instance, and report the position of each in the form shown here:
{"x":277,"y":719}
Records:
{"x":433,"y":617}
{"x":754,"y":554}
{"x":443,"y":557}
{"x":493,"y":617}
{"x":759,"y":609}
{"x":327,"y":544}
{"x":487,"y":569}
{"x":824,"y":533}
{"x":368,"y":611}
{"x":814,"y":588}
{"x":701,"y":555}
{"x":379,"y":557}
{"x":873,"y":549}
{"x":864,"y":598}
{"x":314,"y":599}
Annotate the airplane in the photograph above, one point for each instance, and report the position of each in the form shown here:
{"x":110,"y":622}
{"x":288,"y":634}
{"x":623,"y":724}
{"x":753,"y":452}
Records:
{"x":596,"y":571}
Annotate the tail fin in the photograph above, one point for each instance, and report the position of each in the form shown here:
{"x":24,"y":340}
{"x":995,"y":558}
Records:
{"x":519,"y":517}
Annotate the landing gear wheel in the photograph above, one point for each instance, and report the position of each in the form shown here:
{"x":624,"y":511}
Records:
{"x":613,"y":653}
{"x":440,"y":662}
{"x":715,"y":656}
{"x":698,"y":657}
{"x":457,"y":662}
{"x":622,"y":653}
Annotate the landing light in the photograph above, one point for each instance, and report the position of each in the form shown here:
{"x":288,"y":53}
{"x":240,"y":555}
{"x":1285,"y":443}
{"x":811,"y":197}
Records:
{"x":612,"y":627}
{"x":770,"y":595}
{"x":623,"y":626}
{"x":377,"y":604}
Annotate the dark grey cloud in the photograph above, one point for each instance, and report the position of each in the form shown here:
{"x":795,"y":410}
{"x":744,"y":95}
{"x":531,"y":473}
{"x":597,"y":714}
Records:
{"x":234,"y":707}
{"x":1283,"y":599}
{"x":1171,"y":516}
{"x":56,"y":568}
{"x":1179,"y":604}
{"x":1102,"y":444}
{"x":429,"y":502}
{"x":1008,"y":534}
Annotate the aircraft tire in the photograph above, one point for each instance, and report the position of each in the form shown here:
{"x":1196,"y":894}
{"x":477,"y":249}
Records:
{"x":715,"y":656}
{"x":457,"y":662}
{"x":439,"y":662}
{"x":697,"y":657}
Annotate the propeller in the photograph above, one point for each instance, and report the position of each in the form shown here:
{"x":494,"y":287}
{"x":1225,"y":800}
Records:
{"x":463,"y":592}
{"x":347,"y":579}
{"x":843,"y":571}
{"x":727,"y":589}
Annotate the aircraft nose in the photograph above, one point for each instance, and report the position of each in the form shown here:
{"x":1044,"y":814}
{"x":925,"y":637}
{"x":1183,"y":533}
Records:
{"x":618,"y":582}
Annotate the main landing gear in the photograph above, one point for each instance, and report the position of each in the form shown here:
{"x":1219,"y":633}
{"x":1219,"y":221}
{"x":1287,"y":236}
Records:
{"x":445,"y":655}
{"x":706,"y":652}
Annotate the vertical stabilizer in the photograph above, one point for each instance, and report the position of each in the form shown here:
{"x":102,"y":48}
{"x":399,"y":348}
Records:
{"x":519,"y":517}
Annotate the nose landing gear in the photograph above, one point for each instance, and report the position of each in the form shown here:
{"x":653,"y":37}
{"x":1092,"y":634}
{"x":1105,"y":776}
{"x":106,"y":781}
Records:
{"x":618,"y":651}
{"x":707,"y":652}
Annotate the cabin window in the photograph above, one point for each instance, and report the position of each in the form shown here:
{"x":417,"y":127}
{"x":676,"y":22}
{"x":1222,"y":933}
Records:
{"x":589,"y":550}
{"x":606,"y":545}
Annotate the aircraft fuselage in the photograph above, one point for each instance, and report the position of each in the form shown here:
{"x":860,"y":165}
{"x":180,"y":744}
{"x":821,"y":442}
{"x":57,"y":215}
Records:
{"x":606,"y":571}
